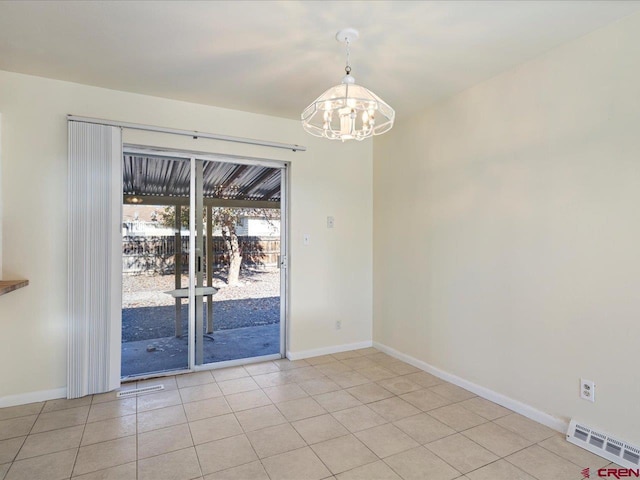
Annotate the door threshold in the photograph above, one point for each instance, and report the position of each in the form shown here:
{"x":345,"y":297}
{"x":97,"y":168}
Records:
{"x":200,"y":368}
{"x":149,"y":376}
{"x":237,"y":363}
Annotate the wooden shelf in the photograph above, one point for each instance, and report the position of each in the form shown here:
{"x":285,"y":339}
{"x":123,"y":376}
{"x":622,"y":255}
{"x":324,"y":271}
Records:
{"x":7,"y":286}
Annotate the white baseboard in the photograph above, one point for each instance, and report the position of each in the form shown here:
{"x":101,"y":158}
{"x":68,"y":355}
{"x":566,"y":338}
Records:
{"x":522,"y":408}
{"x":32,"y":397}
{"x":316,"y":352}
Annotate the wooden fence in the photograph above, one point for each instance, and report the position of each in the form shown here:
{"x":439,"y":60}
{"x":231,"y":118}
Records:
{"x":156,"y":254}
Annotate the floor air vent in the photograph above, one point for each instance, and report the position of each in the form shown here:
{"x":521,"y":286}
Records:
{"x":136,"y":391}
{"x":603,"y":445}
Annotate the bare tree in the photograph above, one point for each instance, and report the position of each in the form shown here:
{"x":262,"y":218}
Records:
{"x":226,"y":219}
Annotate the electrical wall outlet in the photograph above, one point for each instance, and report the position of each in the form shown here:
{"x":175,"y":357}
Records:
{"x":338,"y":324}
{"x":587,"y":390}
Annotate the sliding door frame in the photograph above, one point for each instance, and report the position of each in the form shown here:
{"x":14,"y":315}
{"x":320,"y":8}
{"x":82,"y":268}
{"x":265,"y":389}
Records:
{"x":193,"y":157}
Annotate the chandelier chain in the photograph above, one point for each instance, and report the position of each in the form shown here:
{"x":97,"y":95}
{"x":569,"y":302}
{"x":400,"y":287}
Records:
{"x":348,"y":67}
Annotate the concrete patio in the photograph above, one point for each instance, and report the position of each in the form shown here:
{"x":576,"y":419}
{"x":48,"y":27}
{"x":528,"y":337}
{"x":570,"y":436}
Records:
{"x":171,"y":353}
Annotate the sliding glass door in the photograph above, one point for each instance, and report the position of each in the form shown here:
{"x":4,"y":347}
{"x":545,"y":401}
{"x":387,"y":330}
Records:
{"x":155,"y":268}
{"x":239,"y":236}
{"x":204,"y":261}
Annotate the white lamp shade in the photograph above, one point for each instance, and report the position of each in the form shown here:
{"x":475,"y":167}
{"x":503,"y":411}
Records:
{"x":348,"y":111}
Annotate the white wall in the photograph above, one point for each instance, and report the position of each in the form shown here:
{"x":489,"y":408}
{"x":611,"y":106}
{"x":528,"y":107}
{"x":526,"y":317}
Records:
{"x":330,"y":279}
{"x":507,"y":232}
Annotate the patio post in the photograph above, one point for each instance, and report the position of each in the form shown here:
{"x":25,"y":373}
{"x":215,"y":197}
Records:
{"x":210,"y":260}
{"x":178,"y":268}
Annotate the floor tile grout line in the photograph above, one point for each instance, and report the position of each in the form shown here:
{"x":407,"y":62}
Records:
{"x":75,"y":460}
{"x":65,"y":408}
{"x":103,"y":469}
{"x":14,"y":459}
{"x":532,"y":442}
{"x":460,"y":433}
{"x":485,"y":465}
{"x":393,"y":469}
{"x":537,"y":444}
{"x":443,"y":460}
{"x":194,"y":449}
{"x":36,"y":421}
{"x":506,"y":459}
{"x":138,"y":436}
{"x":252,"y":447}
{"x":19,"y":416}
{"x":561,"y":456}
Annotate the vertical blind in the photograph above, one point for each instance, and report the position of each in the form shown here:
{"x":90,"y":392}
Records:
{"x":95,"y":186}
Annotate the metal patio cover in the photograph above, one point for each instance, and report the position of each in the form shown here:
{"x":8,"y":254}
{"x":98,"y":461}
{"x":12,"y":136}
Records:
{"x":166,"y":180}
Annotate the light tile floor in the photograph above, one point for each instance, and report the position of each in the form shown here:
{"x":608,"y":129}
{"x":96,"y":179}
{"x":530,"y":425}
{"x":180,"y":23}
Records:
{"x":353,"y":415}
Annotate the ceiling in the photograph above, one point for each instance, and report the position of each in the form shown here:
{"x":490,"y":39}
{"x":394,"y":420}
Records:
{"x":275,"y":57}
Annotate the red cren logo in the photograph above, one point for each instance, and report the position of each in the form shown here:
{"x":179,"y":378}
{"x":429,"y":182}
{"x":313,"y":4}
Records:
{"x":618,"y":473}
{"x":586,"y":473}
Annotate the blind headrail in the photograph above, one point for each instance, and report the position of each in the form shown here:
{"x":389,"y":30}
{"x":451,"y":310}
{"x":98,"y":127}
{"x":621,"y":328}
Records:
{"x":187,"y":133}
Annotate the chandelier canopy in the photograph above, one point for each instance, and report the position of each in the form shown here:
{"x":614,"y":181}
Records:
{"x":348,"y":111}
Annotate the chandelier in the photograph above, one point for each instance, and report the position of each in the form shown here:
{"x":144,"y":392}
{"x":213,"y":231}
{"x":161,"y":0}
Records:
{"x":348,"y":111}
